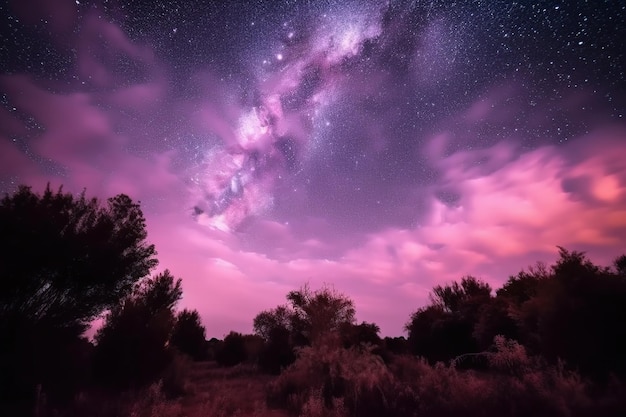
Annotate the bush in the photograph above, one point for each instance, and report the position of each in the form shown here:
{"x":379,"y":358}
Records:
{"x":327,"y":380}
{"x":354,"y":381}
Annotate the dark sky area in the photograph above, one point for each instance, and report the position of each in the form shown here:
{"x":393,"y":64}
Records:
{"x":380,"y":146}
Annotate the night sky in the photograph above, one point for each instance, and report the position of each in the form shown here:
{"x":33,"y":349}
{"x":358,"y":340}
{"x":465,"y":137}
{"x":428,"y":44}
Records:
{"x":383,"y":147}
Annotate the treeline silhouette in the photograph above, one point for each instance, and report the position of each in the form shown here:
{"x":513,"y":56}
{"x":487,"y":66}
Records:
{"x":551,"y":341}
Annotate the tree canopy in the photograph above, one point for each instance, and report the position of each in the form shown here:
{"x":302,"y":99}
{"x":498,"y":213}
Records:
{"x":309,"y":315}
{"x":65,"y":259}
{"x":318,"y":312}
{"x":188,"y":334}
{"x":310,"y":318}
{"x":454,"y":297}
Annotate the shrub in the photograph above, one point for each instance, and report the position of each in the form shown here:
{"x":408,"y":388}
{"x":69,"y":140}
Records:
{"x":315,"y":407}
{"x":354,"y":380}
{"x":510,"y":357}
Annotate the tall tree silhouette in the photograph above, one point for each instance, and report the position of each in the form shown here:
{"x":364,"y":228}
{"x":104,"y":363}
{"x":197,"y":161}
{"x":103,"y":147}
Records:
{"x":63,"y":261}
{"x":274,"y":326}
{"x":456,"y":298}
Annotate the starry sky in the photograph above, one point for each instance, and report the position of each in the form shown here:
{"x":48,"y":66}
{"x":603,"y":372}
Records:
{"x":383,"y":147}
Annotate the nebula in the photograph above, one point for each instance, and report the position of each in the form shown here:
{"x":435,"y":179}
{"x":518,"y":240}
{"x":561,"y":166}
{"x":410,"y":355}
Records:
{"x":274,"y":135}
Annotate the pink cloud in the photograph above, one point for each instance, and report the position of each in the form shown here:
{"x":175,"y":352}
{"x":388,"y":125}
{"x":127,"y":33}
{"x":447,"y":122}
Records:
{"x":517,"y":213}
{"x":13,"y":161}
{"x":140,"y":97}
{"x":100,"y":45}
{"x":78,"y":136}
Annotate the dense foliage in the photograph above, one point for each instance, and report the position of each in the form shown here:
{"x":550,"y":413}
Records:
{"x":63,"y":261}
{"x":188,"y":335}
{"x":571,"y":311}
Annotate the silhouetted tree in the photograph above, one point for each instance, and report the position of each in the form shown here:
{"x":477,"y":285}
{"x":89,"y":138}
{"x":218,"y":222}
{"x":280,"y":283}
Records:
{"x":396,"y":345}
{"x":81,"y":257}
{"x":232,"y":351}
{"x":63,"y":260}
{"x":277,"y":352}
{"x":267,"y":322}
{"x":620,"y":265}
{"x":132,"y":345}
{"x":445,"y":329}
{"x":188,"y":335}
{"x":360,"y":334}
{"x":319,"y":313}
{"x":577,"y":315}
{"x":458,"y":298}
{"x":523,"y":286}
{"x":275,"y":327}
{"x":310,"y":317}
{"x":428,"y":331}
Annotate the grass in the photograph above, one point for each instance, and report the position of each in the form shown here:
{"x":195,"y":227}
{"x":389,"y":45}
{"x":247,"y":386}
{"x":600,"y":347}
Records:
{"x":207,"y":391}
{"x":223,"y":392}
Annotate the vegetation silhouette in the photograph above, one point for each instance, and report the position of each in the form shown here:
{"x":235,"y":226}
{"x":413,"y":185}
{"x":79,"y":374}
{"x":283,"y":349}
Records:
{"x":571,"y":311}
{"x":63,"y":261}
{"x":550,"y":342}
{"x":189,"y":335}
{"x":232,"y":351}
{"x":132,"y":347}
{"x":307,"y":318}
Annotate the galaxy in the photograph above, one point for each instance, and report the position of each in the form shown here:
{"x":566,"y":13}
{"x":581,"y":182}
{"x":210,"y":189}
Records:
{"x":383,"y":147}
